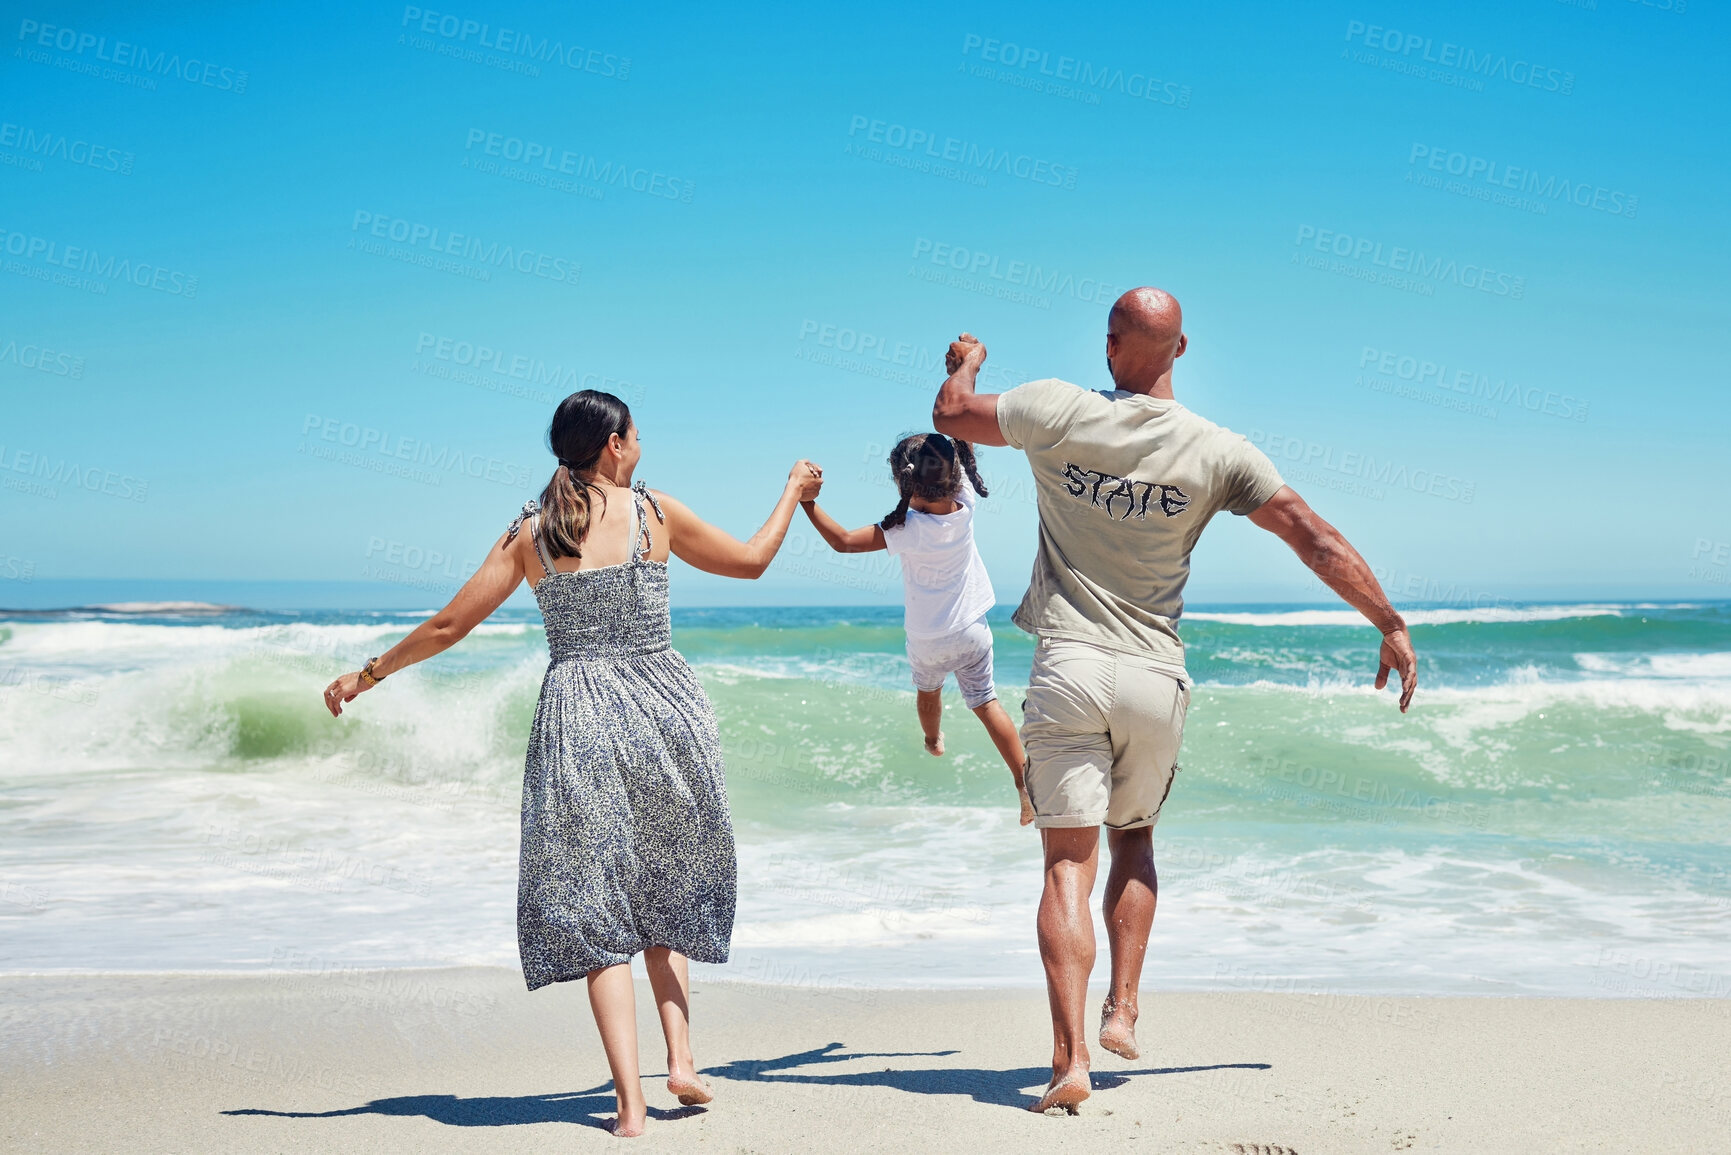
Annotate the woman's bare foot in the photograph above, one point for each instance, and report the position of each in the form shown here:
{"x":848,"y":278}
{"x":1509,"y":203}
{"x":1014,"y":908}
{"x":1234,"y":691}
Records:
{"x":1027,"y":806}
{"x":691,"y":1090}
{"x":1118,"y":1030}
{"x":1065,"y":1093}
{"x":628,"y":1126}
{"x":935,"y":746}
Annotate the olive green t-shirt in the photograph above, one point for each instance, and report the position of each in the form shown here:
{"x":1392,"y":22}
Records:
{"x":1126,"y":483}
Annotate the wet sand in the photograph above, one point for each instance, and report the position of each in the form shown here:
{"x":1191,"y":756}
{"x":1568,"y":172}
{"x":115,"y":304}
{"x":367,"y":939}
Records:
{"x":466,"y":1060}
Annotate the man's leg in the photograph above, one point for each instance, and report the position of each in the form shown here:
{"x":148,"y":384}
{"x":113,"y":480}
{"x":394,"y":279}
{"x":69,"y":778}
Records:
{"x":1132,"y":888}
{"x":1066,"y":930}
{"x":1147,"y":726}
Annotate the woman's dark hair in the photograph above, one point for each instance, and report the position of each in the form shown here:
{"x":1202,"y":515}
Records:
{"x":581,"y":429}
{"x":929,"y":466}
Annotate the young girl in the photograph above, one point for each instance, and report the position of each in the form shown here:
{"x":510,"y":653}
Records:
{"x":944,"y":585}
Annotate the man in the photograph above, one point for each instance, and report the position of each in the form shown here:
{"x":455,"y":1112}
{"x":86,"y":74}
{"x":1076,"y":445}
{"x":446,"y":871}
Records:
{"x":1127,"y":480}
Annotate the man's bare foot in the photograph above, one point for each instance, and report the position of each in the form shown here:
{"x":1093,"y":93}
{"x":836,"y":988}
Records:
{"x":1118,"y":1030}
{"x":1027,"y":806}
{"x":691,"y":1090}
{"x":935,"y":746}
{"x":1065,"y":1093}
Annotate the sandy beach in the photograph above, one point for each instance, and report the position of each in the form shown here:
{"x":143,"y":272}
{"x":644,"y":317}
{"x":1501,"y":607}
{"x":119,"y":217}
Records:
{"x":466,"y":1060}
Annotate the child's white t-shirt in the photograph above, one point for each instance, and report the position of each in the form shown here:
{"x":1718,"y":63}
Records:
{"x":944,"y":581}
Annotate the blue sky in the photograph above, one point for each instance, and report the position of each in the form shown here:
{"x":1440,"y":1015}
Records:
{"x":1425,"y":254}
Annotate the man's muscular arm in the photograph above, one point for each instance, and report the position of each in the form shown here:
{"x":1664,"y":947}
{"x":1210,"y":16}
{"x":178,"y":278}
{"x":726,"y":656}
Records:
{"x":1331,"y":557}
{"x":959,"y":411}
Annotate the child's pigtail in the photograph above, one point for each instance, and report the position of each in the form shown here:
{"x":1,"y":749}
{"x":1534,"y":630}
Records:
{"x":902,"y":468}
{"x":965,"y":451}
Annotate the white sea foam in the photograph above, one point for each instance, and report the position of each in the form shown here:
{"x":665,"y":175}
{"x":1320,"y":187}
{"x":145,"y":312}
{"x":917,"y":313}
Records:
{"x":1696,"y":667}
{"x":164,"y":608}
{"x":1419,"y":617}
{"x":199,"y":811}
{"x":99,"y":643}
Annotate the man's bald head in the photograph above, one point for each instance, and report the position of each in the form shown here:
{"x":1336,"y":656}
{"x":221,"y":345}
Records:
{"x":1147,"y":310}
{"x":1144,"y":335}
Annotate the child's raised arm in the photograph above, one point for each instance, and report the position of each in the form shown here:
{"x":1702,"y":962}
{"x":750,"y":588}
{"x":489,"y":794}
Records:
{"x":863,"y":540}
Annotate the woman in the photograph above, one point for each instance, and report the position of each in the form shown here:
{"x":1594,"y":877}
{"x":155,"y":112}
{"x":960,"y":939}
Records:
{"x":627,"y":843}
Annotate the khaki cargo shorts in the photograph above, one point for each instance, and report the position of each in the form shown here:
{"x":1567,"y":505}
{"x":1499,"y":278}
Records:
{"x":1102,"y":731}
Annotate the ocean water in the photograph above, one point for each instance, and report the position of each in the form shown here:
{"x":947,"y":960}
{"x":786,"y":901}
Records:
{"x":1551,"y":818}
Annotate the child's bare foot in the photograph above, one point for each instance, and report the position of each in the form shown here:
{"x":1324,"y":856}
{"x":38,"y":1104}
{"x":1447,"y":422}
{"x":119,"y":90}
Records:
{"x":1066,"y":1092}
{"x":1027,"y":806}
{"x":1118,"y":1030}
{"x":691,"y":1090}
{"x":935,"y":746}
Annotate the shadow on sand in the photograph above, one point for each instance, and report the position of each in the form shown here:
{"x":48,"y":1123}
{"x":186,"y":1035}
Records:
{"x":591,"y":1108}
{"x":981,"y":1084}
{"x":595,"y":1107}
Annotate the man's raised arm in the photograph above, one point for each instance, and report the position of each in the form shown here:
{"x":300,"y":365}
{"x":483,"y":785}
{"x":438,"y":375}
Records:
{"x":1331,"y":557}
{"x":959,"y":411}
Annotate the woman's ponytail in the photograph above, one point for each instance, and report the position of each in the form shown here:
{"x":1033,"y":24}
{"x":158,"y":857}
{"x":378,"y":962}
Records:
{"x":583,"y":425}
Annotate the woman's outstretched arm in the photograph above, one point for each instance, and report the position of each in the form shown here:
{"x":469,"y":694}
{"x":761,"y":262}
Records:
{"x":480,"y":596}
{"x":716,"y":551}
{"x":862,"y":540}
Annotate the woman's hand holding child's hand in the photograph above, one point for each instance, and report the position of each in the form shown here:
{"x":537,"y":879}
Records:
{"x":805,"y":478}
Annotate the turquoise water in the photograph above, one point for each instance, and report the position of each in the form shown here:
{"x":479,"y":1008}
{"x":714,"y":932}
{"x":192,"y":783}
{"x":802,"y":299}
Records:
{"x":1550,"y":818}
